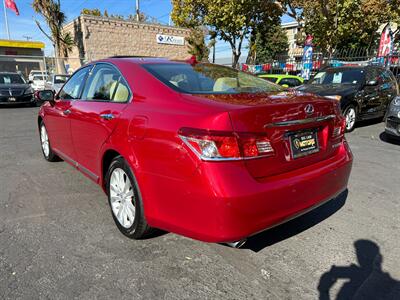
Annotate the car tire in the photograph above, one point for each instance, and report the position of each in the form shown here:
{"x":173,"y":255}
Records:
{"x":48,"y":153}
{"x":350,"y":113}
{"x":125,"y":200}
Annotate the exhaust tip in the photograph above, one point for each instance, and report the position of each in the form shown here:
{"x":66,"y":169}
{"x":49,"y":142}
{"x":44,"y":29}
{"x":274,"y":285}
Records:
{"x":237,"y":244}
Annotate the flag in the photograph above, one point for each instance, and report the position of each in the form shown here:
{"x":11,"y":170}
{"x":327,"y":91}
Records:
{"x":386,"y":42}
{"x":11,"y":5}
{"x":307,"y":58}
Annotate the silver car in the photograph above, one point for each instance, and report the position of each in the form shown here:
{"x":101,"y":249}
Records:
{"x":392,"y":127}
{"x":56,"y":81}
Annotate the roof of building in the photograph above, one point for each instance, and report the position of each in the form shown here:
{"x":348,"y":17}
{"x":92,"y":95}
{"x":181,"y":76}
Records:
{"x":22,"y":44}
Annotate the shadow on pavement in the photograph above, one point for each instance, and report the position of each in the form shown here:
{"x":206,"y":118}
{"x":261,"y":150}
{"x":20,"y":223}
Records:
{"x":365,"y":123}
{"x":365,"y":280}
{"x":295,"y":226}
{"x":388,"y":139}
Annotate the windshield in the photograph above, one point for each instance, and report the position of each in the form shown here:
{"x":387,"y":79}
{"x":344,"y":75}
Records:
{"x":208,"y":79}
{"x":58,"y":79}
{"x":11,"y":79}
{"x":351,"y":76}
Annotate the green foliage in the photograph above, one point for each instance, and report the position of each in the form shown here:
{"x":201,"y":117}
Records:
{"x":197,"y":45}
{"x":231,"y":20}
{"x":50,"y":10}
{"x":270,"y":42}
{"x":344,"y":23}
{"x":92,"y":12}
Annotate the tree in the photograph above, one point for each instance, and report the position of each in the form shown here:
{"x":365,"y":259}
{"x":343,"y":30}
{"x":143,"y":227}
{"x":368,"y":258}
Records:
{"x":92,"y":12}
{"x":197,"y":44}
{"x":232,"y":20}
{"x":55,"y":19}
{"x":270,"y":42}
{"x":343,"y":23}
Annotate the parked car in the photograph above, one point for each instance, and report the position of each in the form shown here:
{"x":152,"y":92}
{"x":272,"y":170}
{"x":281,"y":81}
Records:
{"x":14,"y":89}
{"x":202,"y":150}
{"x":364,"y":92}
{"x":283,"y":79}
{"x":39,"y":82}
{"x":36,"y":72}
{"x":392,"y":127}
{"x":56,"y":81}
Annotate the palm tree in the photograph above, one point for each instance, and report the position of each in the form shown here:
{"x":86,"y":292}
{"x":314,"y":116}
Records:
{"x":55,"y":19}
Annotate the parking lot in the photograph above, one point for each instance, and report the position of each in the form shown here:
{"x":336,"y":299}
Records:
{"x":58,"y":239}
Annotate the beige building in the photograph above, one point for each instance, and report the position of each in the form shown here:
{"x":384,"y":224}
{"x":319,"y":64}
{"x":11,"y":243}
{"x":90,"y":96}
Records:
{"x":292,"y":28}
{"x":100,"y":37}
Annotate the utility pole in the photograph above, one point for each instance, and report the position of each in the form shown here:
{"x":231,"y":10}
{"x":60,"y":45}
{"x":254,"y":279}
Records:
{"x":5,"y":18}
{"x":137,"y":11}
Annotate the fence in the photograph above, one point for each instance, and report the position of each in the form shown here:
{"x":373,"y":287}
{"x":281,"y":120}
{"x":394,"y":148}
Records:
{"x":293,"y":64}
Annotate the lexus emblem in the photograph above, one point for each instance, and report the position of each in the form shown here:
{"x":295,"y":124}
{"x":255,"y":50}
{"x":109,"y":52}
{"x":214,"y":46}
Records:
{"x":309,"y":109}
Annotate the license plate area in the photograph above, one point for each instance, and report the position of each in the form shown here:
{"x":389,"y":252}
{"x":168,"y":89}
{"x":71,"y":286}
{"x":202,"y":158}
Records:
{"x":303,"y":143}
{"x":12,"y":99}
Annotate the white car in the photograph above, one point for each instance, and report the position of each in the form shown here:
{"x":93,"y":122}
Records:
{"x":38,"y":83}
{"x":36,"y":72}
{"x":56,"y":81}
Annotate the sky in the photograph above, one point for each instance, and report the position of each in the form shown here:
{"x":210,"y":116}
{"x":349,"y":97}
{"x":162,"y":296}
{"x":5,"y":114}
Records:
{"x":23,"y":26}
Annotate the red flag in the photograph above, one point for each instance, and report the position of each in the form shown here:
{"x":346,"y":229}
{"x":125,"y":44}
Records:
{"x":11,"y":5}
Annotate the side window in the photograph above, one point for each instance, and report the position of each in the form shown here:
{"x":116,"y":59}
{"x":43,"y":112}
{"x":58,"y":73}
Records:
{"x":105,"y":83}
{"x":372,"y":74}
{"x":387,"y":76}
{"x":73,"y":88}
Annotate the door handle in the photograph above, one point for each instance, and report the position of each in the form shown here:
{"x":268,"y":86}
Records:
{"x":66,"y":112}
{"x":107,"y":116}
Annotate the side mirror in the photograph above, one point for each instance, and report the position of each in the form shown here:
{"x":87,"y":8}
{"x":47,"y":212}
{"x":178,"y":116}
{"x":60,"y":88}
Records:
{"x":372,"y":83}
{"x":30,"y":81}
{"x":45,"y":95}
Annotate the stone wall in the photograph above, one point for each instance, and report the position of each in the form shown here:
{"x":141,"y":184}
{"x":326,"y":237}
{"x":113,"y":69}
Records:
{"x":99,"y":37}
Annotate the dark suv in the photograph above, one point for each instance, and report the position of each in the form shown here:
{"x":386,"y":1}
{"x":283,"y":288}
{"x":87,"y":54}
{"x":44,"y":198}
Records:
{"x":364,"y":92}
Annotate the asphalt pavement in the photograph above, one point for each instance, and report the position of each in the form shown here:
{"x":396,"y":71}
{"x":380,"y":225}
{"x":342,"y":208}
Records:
{"x":58,"y":239}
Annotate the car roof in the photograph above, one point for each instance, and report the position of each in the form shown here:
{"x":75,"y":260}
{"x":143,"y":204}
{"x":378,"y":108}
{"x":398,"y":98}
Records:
{"x":140,"y":59}
{"x":354,"y":67}
{"x":279,"y":76}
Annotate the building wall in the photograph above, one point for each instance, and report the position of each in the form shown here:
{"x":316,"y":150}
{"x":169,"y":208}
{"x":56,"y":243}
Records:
{"x":99,"y":37}
{"x":291,"y":30}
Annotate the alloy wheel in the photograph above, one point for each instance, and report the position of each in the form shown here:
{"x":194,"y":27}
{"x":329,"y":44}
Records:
{"x":350,"y":118}
{"x":45,"y":141}
{"x":122,"y":198}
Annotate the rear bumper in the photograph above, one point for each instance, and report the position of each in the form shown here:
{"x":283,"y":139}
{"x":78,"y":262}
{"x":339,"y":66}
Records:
{"x":231,"y":205}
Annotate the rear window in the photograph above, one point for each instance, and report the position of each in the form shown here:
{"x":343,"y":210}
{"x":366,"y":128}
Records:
{"x":11,"y":79}
{"x":208,"y":79}
{"x":39,"y":77}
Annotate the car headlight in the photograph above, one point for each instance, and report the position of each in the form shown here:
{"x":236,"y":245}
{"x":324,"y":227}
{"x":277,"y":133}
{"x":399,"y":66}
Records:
{"x":29,"y":90}
{"x":334,"y":97}
{"x":396,"y":101}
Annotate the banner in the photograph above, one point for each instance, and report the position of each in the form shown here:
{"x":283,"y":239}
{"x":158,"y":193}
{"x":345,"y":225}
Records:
{"x":307,"y":58}
{"x":386,"y":42}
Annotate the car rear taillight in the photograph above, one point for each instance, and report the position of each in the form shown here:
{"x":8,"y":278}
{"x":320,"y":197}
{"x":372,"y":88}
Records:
{"x":339,"y":128}
{"x":224,"y":145}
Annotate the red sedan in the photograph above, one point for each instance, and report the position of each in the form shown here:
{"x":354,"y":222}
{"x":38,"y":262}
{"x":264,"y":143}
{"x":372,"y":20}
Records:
{"x":198,"y":149}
